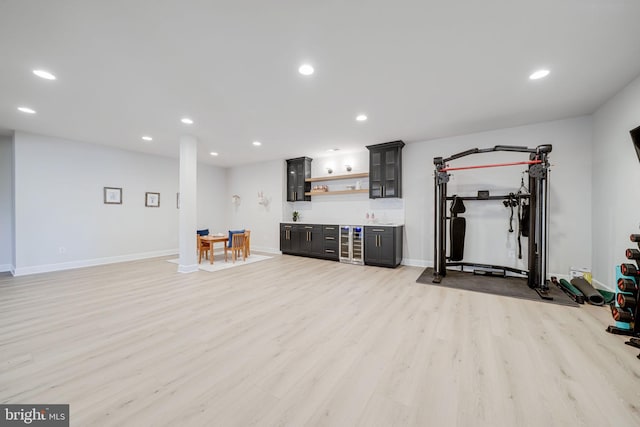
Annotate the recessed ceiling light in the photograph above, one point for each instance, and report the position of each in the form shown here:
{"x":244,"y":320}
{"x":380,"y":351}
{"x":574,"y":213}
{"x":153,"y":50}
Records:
{"x":187,"y":121}
{"x":213,"y":153}
{"x":147,"y":138}
{"x":27,"y":110}
{"x":305,"y":70}
{"x":539,"y":74}
{"x":44,"y":74}
{"x":361,"y":117}
{"x":257,"y":143}
{"x":331,"y":150}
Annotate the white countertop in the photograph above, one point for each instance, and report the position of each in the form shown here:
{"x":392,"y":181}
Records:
{"x":371,"y":224}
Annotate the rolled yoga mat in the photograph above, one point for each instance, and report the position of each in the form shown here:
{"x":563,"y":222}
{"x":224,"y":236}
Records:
{"x":579,"y":296}
{"x":589,"y":291}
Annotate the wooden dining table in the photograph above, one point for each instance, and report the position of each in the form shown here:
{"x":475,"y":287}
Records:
{"x":212,"y":241}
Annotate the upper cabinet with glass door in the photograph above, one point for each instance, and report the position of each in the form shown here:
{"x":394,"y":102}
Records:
{"x":385,"y":170}
{"x":298,"y":170}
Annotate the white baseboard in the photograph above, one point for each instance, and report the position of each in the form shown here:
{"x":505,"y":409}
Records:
{"x":187,"y":268}
{"x":416,"y":262}
{"x":46,"y":268}
{"x":599,"y":284}
{"x":6,"y":267}
{"x":266,"y":250}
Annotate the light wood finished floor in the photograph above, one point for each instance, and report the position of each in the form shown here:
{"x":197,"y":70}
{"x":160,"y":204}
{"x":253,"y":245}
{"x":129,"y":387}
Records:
{"x":303,"y":342}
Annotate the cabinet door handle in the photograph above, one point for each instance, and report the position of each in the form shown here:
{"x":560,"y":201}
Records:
{"x":330,"y":251}
{"x":329,"y":228}
{"x":330,"y":238}
{"x":306,"y":226}
{"x":377,"y":229}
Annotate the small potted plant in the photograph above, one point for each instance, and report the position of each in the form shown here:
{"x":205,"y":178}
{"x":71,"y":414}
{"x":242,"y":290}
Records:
{"x":296,"y":215}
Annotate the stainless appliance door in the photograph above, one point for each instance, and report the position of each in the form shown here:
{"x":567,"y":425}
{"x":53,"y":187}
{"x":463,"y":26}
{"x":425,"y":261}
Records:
{"x":357,"y":244}
{"x":345,"y":243}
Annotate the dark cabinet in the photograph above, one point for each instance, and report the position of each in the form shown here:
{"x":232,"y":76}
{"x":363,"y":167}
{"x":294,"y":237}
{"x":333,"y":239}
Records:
{"x":310,"y":237}
{"x":383,"y":245}
{"x":289,"y":235}
{"x":298,"y":170}
{"x":385,"y":170}
{"x":308,"y":240}
{"x":330,"y":234}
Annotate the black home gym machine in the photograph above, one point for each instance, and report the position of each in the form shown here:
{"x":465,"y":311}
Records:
{"x":538,"y":168}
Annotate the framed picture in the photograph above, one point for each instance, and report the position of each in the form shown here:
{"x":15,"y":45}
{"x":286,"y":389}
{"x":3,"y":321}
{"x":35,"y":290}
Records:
{"x":152,"y":200}
{"x":178,"y":200}
{"x":112,"y":196}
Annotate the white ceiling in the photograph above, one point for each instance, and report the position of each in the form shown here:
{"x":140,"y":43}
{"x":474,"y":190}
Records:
{"x":419,"y":69}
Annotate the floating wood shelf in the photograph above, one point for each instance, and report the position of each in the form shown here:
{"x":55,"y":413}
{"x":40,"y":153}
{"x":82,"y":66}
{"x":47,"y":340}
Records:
{"x":327,"y":193}
{"x":335,"y":177}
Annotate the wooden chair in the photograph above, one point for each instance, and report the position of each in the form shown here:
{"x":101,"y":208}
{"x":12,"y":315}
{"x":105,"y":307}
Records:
{"x":203,"y":248}
{"x":247,"y":242}
{"x":237,"y":246}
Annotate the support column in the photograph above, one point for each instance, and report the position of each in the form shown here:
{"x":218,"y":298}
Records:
{"x":188,"y":216}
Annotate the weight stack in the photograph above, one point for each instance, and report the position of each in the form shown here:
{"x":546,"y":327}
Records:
{"x":624,"y":305}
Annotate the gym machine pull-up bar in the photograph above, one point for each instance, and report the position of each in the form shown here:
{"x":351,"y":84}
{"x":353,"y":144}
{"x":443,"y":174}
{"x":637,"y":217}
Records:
{"x":494,"y":165}
{"x":538,"y":167}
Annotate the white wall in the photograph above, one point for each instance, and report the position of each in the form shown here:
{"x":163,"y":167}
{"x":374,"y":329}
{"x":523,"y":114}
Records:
{"x":6,"y":203}
{"x":615,"y":176}
{"x":61,"y":220}
{"x":211,"y":198}
{"x":263,"y":220}
{"x":488,"y":239}
{"x":58,"y":191}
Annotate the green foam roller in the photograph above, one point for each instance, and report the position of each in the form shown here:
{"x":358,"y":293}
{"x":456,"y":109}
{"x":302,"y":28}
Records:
{"x":571,"y":288}
{"x":608,"y":296}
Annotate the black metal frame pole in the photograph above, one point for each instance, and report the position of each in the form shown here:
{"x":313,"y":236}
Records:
{"x":533,"y":218}
{"x":539,"y":221}
{"x":443,"y":229}
{"x":436,"y":226}
{"x":439,"y":221}
{"x":544,"y":226}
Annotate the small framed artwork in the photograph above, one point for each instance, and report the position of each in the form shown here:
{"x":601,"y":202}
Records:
{"x":178,"y":200}
{"x":152,"y":200}
{"x":112,"y":196}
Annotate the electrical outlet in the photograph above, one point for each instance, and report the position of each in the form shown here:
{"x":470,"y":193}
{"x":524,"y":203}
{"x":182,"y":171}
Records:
{"x":61,"y":250}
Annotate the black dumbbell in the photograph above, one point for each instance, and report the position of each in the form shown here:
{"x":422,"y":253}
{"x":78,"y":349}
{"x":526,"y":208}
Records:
{"x":620,"y":315}
{"x":627,"y":285}
{"x":629,"y":269}
{"x":626,"y":301}
{"x":632,"y":254}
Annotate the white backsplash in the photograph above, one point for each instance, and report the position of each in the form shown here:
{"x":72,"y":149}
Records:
{"x":346,"y":209}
